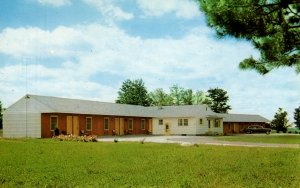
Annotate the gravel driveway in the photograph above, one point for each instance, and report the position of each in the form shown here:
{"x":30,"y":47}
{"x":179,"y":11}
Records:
{"x":191,"y":140}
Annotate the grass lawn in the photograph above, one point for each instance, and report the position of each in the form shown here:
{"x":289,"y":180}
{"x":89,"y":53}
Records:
{"x":51,"y":163}
{"x":263,"y":138}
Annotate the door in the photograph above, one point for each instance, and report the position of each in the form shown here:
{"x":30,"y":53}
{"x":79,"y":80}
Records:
{"x":117,"y":126}
{"x":209,"y":124}
{"x":76,"y":125}
{"x":121,"y":128}
{"x":167,"y":129}
{"x":69,"y":125}
{"x":150,"y":126}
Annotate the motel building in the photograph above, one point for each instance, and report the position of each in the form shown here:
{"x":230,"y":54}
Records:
{"x":38,"y":116}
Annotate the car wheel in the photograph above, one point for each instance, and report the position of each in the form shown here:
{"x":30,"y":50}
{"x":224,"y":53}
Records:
{"x":268,"y":132}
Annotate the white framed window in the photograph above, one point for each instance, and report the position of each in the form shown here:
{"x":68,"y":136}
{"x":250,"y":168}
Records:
{"x":209,"y":123}
{"x":53,"y":122}
{"x":180,"y":123}
{"x":130,"y":124}
{"x":106,"y":123}
{"x":200,"y":121}
{"x":88,"y":123}
{"x":143,"y":124}
{"x":160,"y":122}
{"x":185,"y":122}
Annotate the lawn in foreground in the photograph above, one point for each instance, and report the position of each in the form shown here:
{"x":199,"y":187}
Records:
{"x":50,"y":163}
{"x":263,"y":138}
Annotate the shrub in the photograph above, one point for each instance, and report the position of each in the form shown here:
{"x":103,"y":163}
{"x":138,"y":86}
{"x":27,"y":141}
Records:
{"x":76,"y":138}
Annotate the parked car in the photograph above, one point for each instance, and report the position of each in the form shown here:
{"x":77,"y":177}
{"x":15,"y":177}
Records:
{"x":257,"y":129}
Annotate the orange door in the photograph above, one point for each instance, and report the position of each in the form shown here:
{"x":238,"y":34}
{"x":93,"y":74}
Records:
{"x":121,"y":128}
{"x":117,"y":126}
{"x":69,"y":125}
{"x":76,"y":125}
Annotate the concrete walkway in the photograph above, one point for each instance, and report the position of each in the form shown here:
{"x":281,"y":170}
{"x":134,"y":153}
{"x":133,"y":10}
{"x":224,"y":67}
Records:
{"x":191,"y":140}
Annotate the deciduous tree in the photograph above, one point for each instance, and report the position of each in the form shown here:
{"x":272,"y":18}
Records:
{"x":158,"y":97}
{"x":133,"y":92}
{"x":272,"y":26}
{"x":219,"y":99}
{"x":177,"y":93}
{"x":201,"y":97}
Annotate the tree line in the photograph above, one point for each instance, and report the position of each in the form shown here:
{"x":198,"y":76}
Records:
{"x":135,"y":92}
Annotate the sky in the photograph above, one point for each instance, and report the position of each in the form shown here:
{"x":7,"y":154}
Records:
{"x":85,"y":49}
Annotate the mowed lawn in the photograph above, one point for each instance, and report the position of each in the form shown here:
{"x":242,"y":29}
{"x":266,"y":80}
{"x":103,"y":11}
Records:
{"x":51,"y":163}
{"x":263,"y":138}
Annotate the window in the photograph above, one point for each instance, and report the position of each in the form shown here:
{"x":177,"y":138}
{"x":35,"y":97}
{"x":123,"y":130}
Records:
{"x":130,"y":124}
{"x":179,"y":122}
{"x":160,"y":122}
{"x":217,"y":123}
{"x":106,"y":123}
{"x":185,"y":122}
{"x":143,"y":124}
{"x":53,"y":122}
{"x":200,"y":121}
{"x":88,"y":123}
{"x":208,"y":123}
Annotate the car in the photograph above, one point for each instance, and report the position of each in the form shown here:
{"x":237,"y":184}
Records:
{"x":257,"y":129}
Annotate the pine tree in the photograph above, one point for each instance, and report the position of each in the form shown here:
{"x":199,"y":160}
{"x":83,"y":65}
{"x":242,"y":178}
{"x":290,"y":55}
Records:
{"x":297,"y":117}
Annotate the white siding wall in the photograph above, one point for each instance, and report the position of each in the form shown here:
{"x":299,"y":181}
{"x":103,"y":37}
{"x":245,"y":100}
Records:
{"x":218,"y":129}
{"x":21,"y":125}
{"x":173,"y":126}
{"x":202,"y":128}
{"x":156,"y":128}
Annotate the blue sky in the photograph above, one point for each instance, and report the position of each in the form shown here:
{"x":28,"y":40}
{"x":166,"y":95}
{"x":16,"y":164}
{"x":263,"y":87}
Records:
{"x":86,"y":48}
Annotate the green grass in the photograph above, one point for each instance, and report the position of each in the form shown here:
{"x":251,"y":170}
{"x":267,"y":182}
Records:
{"x":262,"y":138}
{"x":51,"y":163}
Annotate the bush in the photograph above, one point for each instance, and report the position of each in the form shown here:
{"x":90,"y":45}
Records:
{"x":76,"y":138}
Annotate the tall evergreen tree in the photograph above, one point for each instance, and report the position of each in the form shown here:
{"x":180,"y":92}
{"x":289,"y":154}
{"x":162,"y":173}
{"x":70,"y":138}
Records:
{"x":297,"y":117}
{"x":280,"y":121}
{"x":219,"y":99}
{"x":133,"y":92}
{"x":272,"y":26}
{"x":1,"y":116}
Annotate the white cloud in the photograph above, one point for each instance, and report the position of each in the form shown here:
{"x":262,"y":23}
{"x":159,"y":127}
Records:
{"x":93,"y":55}
{"x":33,"y":41}
{"x":110,"y":10}
{"x":186,"y":9}
{"x":55,"y":3}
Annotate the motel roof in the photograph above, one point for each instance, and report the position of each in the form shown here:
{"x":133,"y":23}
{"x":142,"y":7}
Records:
{"x":245,"y":118}
{"x":48,"y":104}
